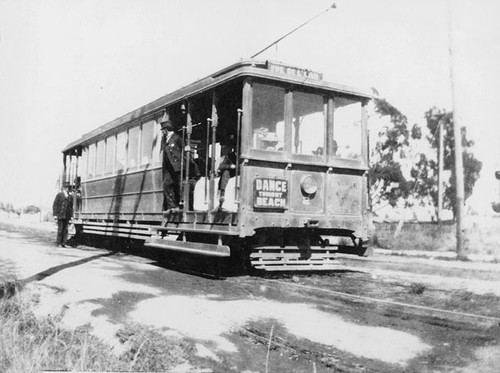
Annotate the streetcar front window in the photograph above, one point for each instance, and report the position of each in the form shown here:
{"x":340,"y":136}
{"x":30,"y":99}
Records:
{"x":308,"y":128}
{"x":268,"y":117}
{"x":347,"y":128}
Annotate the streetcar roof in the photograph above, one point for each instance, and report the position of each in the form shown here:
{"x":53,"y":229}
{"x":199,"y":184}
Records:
{"x":259,"y":69}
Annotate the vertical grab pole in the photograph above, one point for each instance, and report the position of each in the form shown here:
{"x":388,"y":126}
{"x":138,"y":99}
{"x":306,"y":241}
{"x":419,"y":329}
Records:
{"x":212,"y":166}
{"x":65,"y":170}
{"x":237,"y":171}
{"x":189,"y":130}
{"x":69,"y":173}
{"x":75,"y":190}
{"x":77,"y":161}
{"x":207,"y":157}
{"x":181,"y":181}
{"x":214,"y":121}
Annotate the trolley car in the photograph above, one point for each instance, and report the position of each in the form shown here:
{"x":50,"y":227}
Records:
{"x":298,"y":193}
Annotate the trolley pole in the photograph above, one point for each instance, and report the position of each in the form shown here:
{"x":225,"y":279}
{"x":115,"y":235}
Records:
{"x":459,"y":171}
{"x":333,"y":6}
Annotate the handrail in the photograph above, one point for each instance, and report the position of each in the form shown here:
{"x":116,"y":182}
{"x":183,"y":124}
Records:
{"x":236,"y":182}
{"x":187,"y":149}
{"x":207,"y":157}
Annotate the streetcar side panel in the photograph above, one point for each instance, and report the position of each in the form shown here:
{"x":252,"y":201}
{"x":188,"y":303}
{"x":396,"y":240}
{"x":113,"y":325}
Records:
{"x":126,"y":196}
{"x":121,"y":175}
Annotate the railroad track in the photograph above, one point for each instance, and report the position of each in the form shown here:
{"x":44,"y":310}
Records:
{"x":455,"y":333}
{"x":367,"y":299}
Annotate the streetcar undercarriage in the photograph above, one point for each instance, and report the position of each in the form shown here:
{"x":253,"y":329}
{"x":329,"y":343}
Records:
{"x":269,"y":249}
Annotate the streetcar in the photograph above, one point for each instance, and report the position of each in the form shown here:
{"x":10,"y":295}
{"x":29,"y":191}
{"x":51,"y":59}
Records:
{"x":298,"y":193}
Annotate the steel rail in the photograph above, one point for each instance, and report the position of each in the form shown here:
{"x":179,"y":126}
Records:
{"x":394,"y":303}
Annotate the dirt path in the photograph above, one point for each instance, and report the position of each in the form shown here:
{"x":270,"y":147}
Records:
{"x":289,"y":323}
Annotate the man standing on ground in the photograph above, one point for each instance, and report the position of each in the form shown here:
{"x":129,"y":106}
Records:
{"x":62,"y":209}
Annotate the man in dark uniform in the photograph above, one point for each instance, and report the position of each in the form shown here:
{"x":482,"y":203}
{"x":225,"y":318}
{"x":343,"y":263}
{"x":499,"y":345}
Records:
{"x":172,"y":163}
{"x":226,"y":170}
{"x":171,"y":145}
{"x":62,"y":209}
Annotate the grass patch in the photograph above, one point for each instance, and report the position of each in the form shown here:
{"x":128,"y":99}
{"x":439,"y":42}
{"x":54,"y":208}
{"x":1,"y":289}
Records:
{"x":31,"y":344}
{"x":413,"y":236}
{"x":481,"y":236}
{"x":416,"y":289}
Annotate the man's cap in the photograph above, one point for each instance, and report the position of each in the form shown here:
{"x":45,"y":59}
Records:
{"x":166,"y":123}
{"x":226,"y":149}
{"x":165,"y":120}
{"x":66,"y":184}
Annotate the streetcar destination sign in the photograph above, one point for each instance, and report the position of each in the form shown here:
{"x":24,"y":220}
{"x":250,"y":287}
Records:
{"x":293,"y":70}
{"x":270,"y":194}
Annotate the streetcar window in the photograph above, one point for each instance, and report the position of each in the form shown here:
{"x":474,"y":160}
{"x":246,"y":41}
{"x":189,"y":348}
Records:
{"x":83,"y":164}
{"x":347,"y":128}
{"x":91,"y":161}
{"x":156,"y":142}
{"x":110,"y":154}
{"x":121,"y":151}
{"x":147,"y":142}
{"x":133,"y":146}
{"x":268,"y":116}
{"x":100,"y":157}
{"x":308,"y":129}
{"x":68,"y":169}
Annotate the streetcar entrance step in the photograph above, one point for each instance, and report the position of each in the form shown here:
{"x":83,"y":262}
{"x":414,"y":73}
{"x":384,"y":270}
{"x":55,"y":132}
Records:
{"x":189,"y":247}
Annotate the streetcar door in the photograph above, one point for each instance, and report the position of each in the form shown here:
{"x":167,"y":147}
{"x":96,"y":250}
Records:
{"x":208,"y":126}
{"x":71,"y":175}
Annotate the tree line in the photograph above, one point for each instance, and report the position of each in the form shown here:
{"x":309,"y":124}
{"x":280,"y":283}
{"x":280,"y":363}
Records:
{"x":394,"y":153}
{"x":9,"y":208}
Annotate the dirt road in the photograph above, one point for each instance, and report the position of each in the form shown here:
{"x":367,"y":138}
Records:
{"x":383,"y":314}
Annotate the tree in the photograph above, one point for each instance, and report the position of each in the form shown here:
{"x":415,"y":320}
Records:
{"x":9,"y":207}
{"x":31,"y":210}
{"x":426,"y":170}
{"x":424,"y":181}
{"x":387,"y":181}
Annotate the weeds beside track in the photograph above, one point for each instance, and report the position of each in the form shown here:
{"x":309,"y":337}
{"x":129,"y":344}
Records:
{"x":31,"y":344}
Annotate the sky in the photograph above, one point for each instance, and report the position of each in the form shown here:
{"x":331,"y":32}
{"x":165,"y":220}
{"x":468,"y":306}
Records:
{"x":67,"y":67}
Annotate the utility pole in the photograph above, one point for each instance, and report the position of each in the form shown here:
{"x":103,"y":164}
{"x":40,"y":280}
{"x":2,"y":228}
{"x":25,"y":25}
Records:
{"x":440,"y":171}
{"x":459,"y":170}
